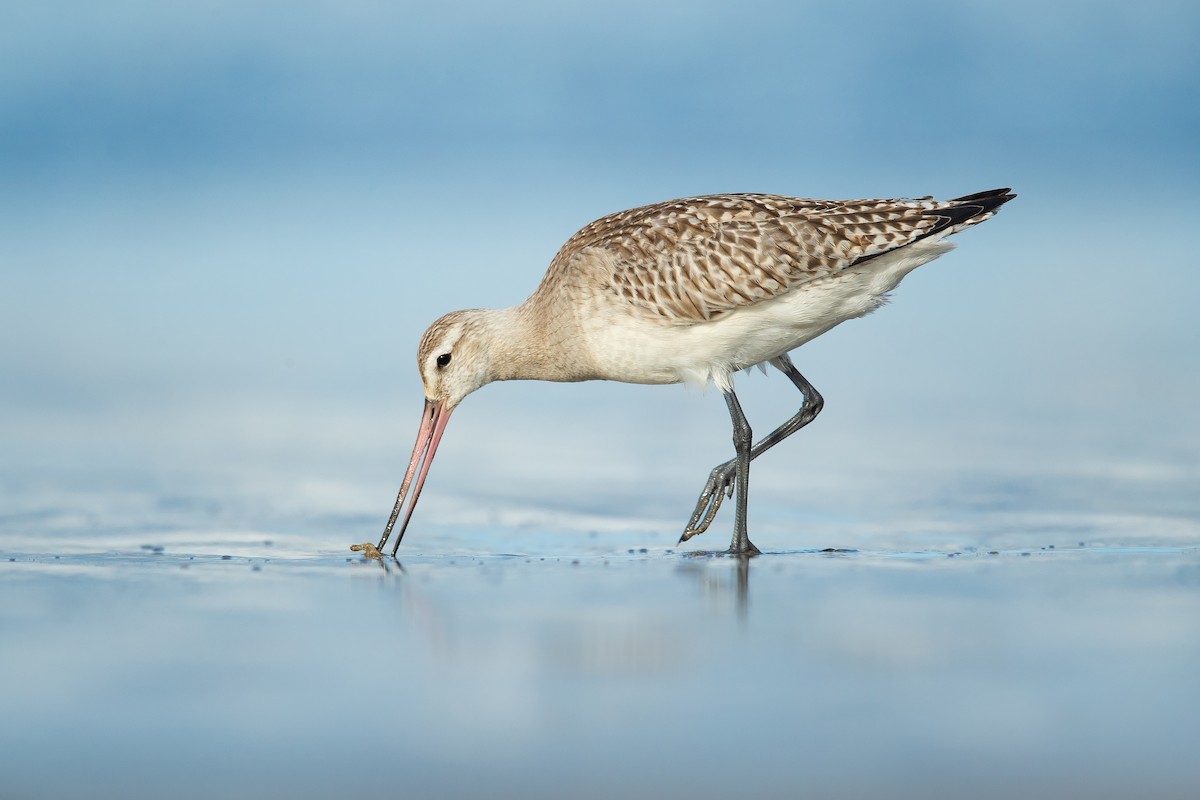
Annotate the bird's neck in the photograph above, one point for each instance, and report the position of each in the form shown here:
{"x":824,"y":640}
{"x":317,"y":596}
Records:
{"x":528,"y":342}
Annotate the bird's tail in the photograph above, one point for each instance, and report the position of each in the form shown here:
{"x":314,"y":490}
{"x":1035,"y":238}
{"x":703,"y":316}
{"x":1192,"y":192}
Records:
{"x":963,"y":212}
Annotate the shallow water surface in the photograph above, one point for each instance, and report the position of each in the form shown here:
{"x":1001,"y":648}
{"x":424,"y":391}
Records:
{"x":235,"y":667}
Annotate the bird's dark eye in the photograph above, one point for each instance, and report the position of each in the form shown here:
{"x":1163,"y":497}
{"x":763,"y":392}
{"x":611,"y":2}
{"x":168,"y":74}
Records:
{"x":443,"y":360}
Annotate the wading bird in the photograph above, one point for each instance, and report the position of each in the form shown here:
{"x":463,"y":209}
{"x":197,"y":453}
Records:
{"x":689,"y":291}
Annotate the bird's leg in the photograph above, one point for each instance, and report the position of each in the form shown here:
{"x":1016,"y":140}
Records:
{"x":743,"y":440}
{"x":721,"y":480}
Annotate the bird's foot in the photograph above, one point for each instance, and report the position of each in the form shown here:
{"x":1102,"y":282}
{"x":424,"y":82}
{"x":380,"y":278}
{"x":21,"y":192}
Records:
{"x":747,"y":551}
{"x":719,"y":486}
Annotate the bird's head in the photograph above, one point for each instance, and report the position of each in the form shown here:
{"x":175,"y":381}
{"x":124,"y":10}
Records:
{"x":455,"y":359}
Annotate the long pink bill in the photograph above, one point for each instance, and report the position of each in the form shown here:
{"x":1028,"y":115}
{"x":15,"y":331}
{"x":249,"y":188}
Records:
{"x":433,"y":424}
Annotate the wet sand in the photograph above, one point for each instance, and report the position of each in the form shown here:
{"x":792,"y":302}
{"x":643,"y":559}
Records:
{"x":543,"y":666}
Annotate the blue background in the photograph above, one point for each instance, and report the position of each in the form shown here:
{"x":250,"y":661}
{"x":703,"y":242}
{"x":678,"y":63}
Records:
{"x":224,"y":226}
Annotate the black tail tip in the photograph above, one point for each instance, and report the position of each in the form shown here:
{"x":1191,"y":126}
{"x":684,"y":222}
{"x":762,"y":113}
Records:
{"x":986,"y":201}
{"x":968,"y":210}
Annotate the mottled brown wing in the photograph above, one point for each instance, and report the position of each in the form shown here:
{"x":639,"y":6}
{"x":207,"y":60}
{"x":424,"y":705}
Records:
{"x":692,"y":259}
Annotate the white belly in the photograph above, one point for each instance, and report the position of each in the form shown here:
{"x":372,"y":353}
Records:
{"x":638,"y":349}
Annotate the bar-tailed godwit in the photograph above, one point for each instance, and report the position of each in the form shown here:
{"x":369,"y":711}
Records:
{"x":689,"y":291}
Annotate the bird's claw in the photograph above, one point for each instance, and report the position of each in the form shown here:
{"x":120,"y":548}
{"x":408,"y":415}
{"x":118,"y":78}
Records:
{"x":719,"y":486}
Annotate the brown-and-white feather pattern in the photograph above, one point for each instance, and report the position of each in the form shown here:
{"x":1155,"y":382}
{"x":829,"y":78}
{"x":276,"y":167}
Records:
{"x":692,"y":259}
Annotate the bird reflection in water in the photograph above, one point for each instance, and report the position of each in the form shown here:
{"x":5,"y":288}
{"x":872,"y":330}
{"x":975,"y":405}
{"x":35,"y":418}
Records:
{"x":719,"y":583}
